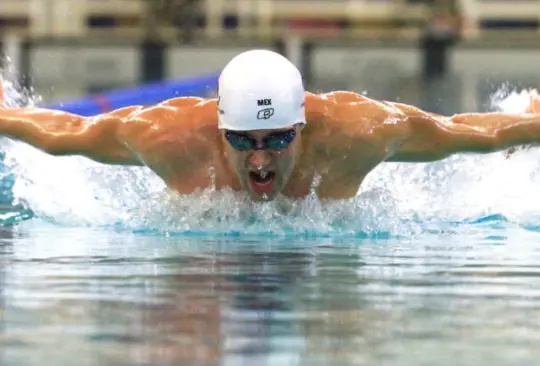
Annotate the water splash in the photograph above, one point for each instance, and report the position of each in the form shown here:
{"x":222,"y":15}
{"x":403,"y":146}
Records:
{"x":396,"y":199}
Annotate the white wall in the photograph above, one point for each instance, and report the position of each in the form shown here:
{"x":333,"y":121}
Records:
{"x":188,"y":61}
{"x":485,"y":70}
{"x":67,"y":72}
{"x":380,"y":72}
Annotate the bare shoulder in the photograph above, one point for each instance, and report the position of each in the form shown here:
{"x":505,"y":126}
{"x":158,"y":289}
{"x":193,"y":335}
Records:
{"x":178,"y":120}
{"x":187,"y":113}
{"x":350,"y":112}
{"x":350,"y":134}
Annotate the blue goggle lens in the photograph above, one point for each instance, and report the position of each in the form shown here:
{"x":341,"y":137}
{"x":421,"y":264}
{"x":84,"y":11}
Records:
{"x":275,"y":141}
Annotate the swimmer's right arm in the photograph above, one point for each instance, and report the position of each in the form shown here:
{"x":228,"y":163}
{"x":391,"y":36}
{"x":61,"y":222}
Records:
{"x":62,"y":133}
{"x":99,"y":138}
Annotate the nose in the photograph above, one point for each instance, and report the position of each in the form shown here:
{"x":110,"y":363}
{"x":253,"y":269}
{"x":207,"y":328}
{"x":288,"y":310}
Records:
{"x":259,"y":158}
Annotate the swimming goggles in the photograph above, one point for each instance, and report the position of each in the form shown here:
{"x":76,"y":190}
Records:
{"x":274,"y":141}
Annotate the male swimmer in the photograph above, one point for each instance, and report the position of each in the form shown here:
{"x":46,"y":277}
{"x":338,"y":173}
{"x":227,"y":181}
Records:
{"x":265,"y":135}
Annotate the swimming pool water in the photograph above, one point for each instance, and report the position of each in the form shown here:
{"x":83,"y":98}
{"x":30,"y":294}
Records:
{"x":93,"y":296}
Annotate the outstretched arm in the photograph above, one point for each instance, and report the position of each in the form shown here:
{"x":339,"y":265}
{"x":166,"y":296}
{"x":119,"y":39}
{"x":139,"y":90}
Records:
{"x":368,"y":131}
{"x":433,"y":137}
{"x":61,"y":133}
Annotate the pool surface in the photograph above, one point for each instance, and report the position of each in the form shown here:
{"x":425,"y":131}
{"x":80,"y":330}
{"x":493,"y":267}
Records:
{"x":100,"y":297}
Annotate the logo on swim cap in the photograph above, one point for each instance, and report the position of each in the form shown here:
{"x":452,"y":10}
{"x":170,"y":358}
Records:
{"x":265,"y":113}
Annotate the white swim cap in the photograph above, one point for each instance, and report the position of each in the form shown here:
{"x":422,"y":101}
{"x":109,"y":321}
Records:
{"x":258,"y":90}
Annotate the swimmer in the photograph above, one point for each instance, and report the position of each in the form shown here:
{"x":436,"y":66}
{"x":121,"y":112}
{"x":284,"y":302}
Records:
{"x":265,"y":135}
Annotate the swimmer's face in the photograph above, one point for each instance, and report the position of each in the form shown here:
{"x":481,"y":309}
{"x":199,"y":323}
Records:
{"x":263,"y":160}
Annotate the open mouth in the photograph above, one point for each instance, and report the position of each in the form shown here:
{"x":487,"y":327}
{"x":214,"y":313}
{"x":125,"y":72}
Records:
{"x":262,"y":181}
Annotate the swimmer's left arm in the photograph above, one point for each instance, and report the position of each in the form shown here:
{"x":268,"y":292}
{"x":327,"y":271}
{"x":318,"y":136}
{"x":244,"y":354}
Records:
{"x":433,"y":137}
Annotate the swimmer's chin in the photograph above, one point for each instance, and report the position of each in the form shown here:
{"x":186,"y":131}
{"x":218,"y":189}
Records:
{"x":265,"y":197}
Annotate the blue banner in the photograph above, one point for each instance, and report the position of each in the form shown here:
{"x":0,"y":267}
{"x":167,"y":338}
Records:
{"x":139,"y":95}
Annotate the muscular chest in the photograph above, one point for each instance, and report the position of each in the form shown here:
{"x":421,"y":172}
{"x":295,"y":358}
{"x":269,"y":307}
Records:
{"x":185,"y":164}
{"x":339,"y":173}
{"x":324,"y":176}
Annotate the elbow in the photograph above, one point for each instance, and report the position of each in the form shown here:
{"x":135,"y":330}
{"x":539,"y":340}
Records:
{"x":438,"y":154}
{"x":493,"y":142}
{"x":479,"y":144}
{"x":53,"y":149}
{"x":57,"y":146}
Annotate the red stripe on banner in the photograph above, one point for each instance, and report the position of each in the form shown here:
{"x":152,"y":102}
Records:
{"x":102,"y":102}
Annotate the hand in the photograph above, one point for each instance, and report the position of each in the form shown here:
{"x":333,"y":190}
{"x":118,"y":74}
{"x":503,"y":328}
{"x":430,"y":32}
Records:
{"x":2,"y":95}
{"x":534,"y":102}
{"x":533,"y":107}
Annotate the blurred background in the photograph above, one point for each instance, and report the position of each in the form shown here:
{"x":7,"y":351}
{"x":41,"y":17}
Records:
{"x":442,"y":55}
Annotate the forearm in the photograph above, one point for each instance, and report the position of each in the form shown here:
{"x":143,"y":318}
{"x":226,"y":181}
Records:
{"x":493,"y":130}
{"x":62,"y":133}
{"x":496,"y":131}
{"x":45,"y":129}
{"x":433,"y":137}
